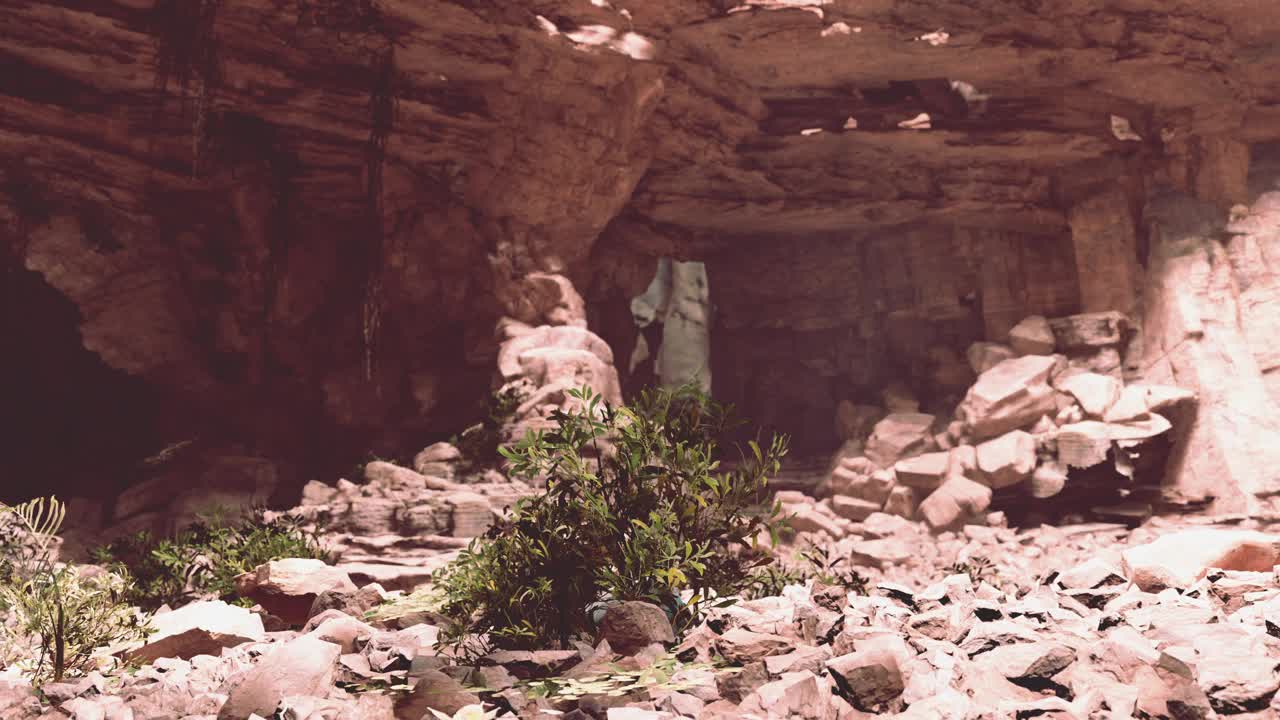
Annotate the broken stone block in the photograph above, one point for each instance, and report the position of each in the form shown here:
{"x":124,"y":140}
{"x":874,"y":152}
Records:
{"x":1095,"y":393}
{"x":923,"y":471}
{"x":303,"y":666}
{"x":897,"y":436}
{"x":1032,"y":336}
{"x":853,"y":509}
{"x":1028,"y":662}
{"x":1048,"y":480}
{"x":287,"y":588}
{"x":983,"y":356}
{"x":1089,"y":330}
{"x":860,"y":478}
{"x":902,"y":502}
{"x":1179,"y":559}
{"x":1130,"y":405}
{"x":871,"y":675}
{"x":1007,"y":460}
{"x":1011,"y":395}
{"x":200,"y":628}
{"x":630,"y":627}
{"x":955,"y":501}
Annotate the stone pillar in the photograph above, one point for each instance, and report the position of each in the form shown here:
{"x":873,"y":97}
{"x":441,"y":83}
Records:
{"x":1106,"y":250}
{"x":1195,"y":324}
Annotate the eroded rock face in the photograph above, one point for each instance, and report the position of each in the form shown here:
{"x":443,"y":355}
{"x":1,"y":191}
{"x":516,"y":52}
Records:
{"x":301,"y":221}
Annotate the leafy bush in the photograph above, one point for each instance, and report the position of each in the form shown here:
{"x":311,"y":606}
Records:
{"x":204,"y":559}
{"x":57,"y":616}
{"x":634,"y":509}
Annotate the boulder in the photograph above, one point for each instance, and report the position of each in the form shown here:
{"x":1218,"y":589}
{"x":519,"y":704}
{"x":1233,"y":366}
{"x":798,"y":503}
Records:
{"x":1032,"y":336}
{"x":200,"y":628}
{"x":800,"y":695}
{"x":925,"y":472}
{"x":434,"y":691}
{"x":902,"y":501}
{"x":854,"y":509}
{"x":1028,"y":662}
{"x":955,"y":501}
{"x":859,"y":478}
{"x":630,"y":627}
{"x":1095,"y":393}
{"x":899,"y":435}
{"x":1007,"y":460}
{"x":342,"y":630}
{"x":741,"y":645}
{"x":287,"y":588}
{"x":985,"y":355}
{"x":303,"y":666}
{"x":1089,"y":330}
{"x":1179,"y":559}
{"x":1013,"y":394}
{"x":871,"y":675}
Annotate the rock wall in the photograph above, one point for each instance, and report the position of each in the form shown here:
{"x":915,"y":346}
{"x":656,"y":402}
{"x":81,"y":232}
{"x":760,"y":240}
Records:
{"x":298,"y":223}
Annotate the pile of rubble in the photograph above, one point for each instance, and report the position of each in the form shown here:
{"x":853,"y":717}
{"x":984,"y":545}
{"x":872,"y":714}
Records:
{"x":1051,"y":400}
{"x":1093,"y":621}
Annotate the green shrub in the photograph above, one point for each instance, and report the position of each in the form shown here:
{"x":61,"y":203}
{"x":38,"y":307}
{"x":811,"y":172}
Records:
{"x":57,"y":617}
{"x":204,"y":559}
{"x":634,"y":509}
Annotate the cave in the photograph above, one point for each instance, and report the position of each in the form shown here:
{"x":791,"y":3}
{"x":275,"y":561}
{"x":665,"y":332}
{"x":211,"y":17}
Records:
{"x":1004,"y":273}
{"x":252,"y":246}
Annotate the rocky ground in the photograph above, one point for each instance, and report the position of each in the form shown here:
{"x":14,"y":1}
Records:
{"x":1171,"y":619}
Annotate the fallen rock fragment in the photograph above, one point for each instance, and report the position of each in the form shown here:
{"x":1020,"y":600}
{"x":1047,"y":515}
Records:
{"x":304,"y":666}
{"x":288,"y":588}
{"x":1179,"y":559}
{"x":631,"y":626}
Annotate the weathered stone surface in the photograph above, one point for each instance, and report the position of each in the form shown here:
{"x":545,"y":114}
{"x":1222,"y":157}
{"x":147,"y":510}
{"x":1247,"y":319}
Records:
{"x":1032,"y":336}
{"x":899,"y":435}
{"x":287,"y":588}
{"x":304,"y":666}
{"x":200,"y":628}
{"x":983,"y":356}
{"x":1095,"y":393}
{"x":1177,"y":560}
{"x":1013,"y":394}
{"x":1007,"y":460}
{"x":924,"y":472}
{"x":1198,"y":334}
{"x":955,"y":501}
{"x":632,"y":626}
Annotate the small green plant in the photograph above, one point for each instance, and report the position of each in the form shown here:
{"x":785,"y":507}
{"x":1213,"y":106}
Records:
{"x":634,"y":509}
{"x":831,"y":569}
{"x":204,"y":559}
{"x":479,"y":443}
{"x":58,"y":616}
{"x":817,"y":564}
{"x":978,"y":569}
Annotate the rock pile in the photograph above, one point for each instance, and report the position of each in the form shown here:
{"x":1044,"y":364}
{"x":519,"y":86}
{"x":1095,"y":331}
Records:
{"x":1051,"y":400}
{"x":1075,"y":622}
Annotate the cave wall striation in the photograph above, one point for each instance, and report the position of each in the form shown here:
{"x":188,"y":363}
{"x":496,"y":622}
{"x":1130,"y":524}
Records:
{"x":299,"y":222}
